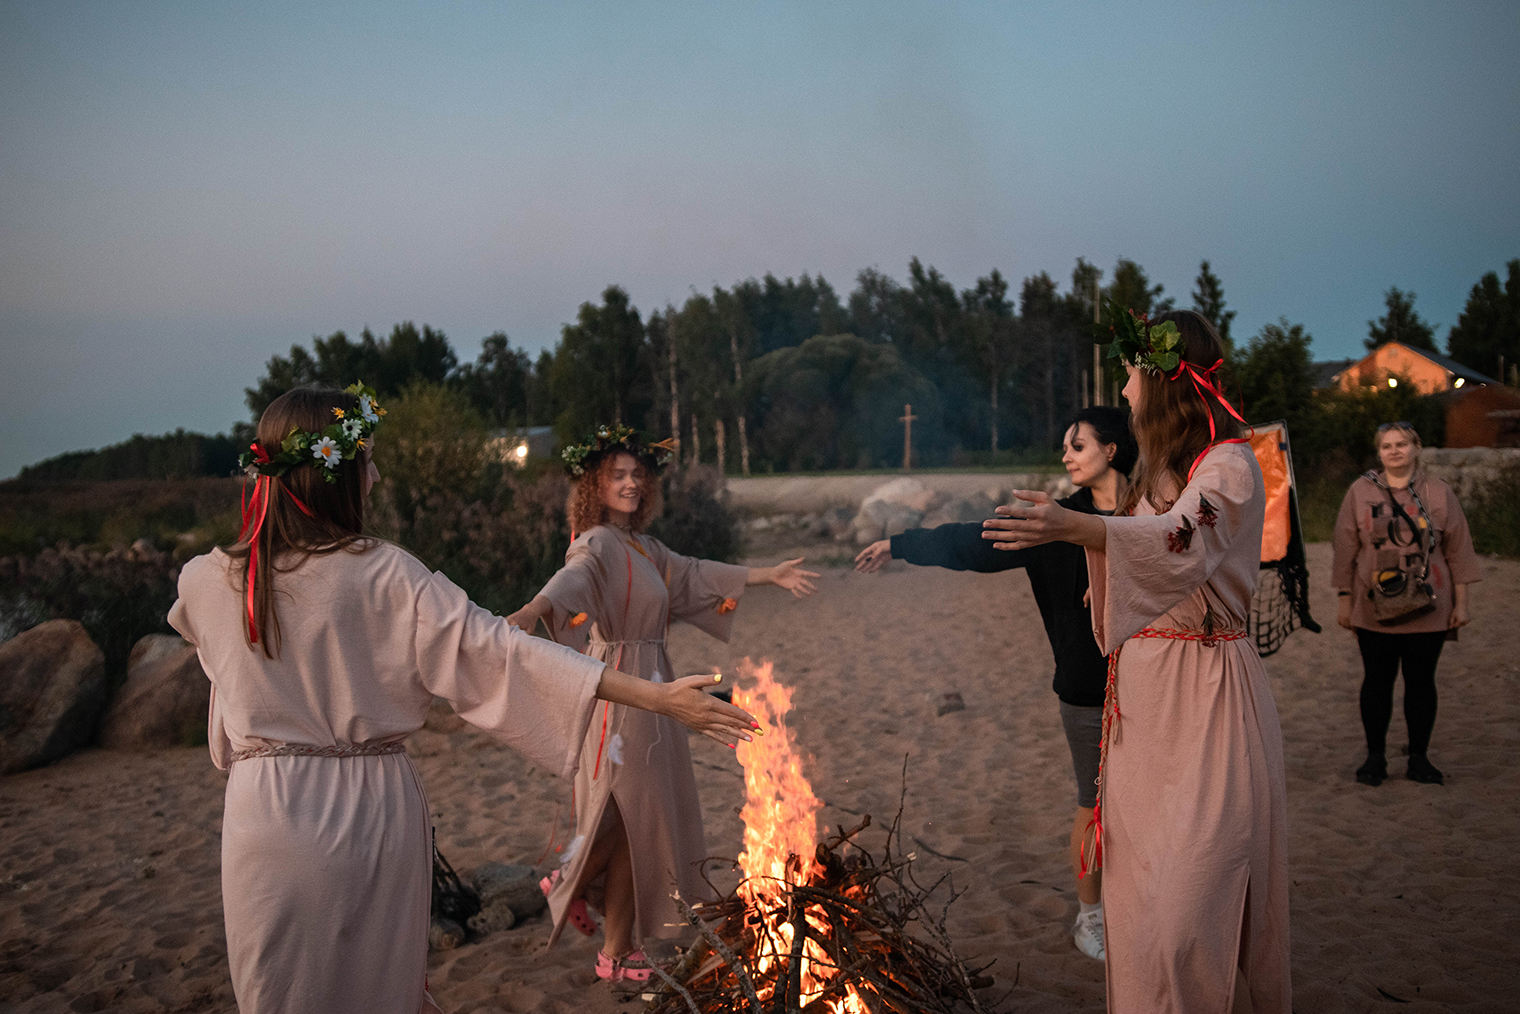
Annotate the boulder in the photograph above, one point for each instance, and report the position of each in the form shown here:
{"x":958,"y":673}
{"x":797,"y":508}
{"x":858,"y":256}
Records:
{"x":164,"y":701}
{"x":508,"y":895}
{"x":52,"y":690}
{"x":444,"y":935}
{"x":515,"y":886}
{"x":881,"y":519}
{"x":977,"y":507}
{"x":898,"y":491}
{"x":837,"y":523}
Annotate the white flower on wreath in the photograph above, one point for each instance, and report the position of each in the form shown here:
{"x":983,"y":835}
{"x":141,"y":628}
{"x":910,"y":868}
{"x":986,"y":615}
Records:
{"x":352,"y":428}
{"x":327,"y":451}
{"x":367,"y":408}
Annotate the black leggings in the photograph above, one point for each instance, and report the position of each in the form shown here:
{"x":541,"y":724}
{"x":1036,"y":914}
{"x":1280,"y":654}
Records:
{"x":1381,"y":654}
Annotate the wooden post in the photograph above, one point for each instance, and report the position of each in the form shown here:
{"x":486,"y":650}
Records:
{"x":907,"y":420}
{"x":1097,"y":354}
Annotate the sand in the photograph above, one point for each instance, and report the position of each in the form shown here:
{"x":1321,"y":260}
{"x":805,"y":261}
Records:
{"x":109,"y":891}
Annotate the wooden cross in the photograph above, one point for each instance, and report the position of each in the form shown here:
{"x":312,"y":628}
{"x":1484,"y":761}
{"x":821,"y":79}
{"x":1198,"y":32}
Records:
{"x":907,"y":420}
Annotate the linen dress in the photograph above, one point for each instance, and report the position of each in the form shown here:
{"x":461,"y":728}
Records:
{"x":327,"y":861}
{"x":1194,"y":804}
{"x":629,"y":587}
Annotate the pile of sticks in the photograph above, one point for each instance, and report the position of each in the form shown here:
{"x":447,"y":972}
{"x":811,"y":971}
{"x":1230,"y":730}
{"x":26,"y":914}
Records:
{"x":868,"y":908}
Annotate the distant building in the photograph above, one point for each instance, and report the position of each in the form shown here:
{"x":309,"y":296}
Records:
{"x":1393,"y":363}
{"x":518,"y":446}
{"x":1480,"y":411}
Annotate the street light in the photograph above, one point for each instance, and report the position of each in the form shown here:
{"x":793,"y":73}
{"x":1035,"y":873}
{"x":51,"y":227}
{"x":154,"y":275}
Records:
{"x":1393,"y":381}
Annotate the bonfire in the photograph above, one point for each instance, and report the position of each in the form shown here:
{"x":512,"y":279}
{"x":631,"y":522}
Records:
{"x":814,"y":926}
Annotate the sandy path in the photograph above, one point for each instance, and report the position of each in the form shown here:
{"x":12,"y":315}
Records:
{"x":1403,"y":888}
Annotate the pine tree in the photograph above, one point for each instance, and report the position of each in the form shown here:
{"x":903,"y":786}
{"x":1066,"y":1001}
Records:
{"x":1401,"y":323}
{"x":1208,"y":299}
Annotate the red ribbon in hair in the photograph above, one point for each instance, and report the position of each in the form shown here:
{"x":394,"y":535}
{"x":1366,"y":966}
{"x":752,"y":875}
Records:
{"x":255,"y":510}
{"x":1202,"y":383}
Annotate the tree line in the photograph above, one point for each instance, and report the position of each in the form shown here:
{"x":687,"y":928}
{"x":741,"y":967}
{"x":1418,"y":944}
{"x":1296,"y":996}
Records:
{"x":785,"y":374}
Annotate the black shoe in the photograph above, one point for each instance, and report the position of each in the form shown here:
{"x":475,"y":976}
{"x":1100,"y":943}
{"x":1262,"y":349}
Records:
{"x":1424,"y":772}
{"x":1374,"y":771}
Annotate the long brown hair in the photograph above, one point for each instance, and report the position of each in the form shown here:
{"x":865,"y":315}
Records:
{"x":289,"y":535}
{"x":1171,"y":423}
{"x":584,"y":506}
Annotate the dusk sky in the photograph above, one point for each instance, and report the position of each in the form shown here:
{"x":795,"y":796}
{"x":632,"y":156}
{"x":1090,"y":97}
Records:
{"x":188,"y":189}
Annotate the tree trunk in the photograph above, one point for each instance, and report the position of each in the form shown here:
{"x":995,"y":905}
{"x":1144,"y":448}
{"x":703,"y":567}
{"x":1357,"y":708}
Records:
{"x":994,"y":412}
{"x":733,"y":348}
{"x":718,"y":433}
{"x":675,"y":399}
{"x":696,"y":439}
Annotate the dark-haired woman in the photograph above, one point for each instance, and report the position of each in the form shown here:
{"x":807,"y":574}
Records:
{"x":1098,"y":452}
{"x":324,"y":650}
{"x":638,"y":820}
{"x":1369,"y":526}
{"x":1192,"y":809}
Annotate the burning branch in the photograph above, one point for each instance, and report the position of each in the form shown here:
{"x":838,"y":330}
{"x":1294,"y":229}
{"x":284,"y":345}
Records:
{"x":814,"y":927}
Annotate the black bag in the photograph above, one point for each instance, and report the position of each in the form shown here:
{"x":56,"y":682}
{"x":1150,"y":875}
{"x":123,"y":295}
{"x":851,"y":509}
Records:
{"x":1401,"y":589}
{"x":451,"y":899}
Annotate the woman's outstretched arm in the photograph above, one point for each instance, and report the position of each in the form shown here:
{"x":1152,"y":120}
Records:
{"x":682,"y":700}
{"x":1034,"y":518}
{"x":788,"y":574}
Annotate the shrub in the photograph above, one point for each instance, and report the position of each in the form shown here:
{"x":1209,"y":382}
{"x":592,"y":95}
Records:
{"x":119,"y":595}
{"x":697,"y":521}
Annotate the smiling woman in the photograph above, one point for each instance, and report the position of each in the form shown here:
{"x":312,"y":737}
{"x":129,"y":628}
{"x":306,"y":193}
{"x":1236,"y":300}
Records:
{"x":638,"y":821}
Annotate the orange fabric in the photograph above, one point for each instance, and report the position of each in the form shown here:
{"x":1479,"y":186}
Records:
{"x":1268,"y":443}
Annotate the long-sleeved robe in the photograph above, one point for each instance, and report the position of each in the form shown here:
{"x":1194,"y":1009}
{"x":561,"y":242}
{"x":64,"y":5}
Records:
{"x":327,"y":861}
{"x":1194,"y":804}
{"x":629,"y":587}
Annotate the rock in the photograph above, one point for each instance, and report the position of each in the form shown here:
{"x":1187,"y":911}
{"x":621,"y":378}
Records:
{"x":896,"y":491}
{"x":492,"y":918}
{"x":977,"y":507}
{"x":164,"y":701}
{"x":924,"y":502}
{"x":951,"y":702}
{"x":837,"y":522}
{"x":880,"y":519}
{"x":52,"y":690}
{"x":515,"y":886}
{"x":444,"y":935}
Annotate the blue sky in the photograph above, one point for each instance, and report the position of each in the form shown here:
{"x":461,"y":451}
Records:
{"x":188,"y":189}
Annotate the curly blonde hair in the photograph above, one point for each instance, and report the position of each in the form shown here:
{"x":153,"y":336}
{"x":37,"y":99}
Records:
{"x":584,"y":506}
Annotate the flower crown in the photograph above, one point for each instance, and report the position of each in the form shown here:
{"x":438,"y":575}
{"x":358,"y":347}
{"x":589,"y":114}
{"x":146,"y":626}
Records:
{"x":1137,"y":342}
{"x":608,"y":439}
{"x":346,"y":436}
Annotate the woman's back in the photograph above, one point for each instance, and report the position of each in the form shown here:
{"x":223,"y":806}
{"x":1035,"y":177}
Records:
{"x":367,"y":639}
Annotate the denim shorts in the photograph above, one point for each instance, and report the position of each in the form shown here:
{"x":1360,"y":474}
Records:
{"x":1084,"y":735}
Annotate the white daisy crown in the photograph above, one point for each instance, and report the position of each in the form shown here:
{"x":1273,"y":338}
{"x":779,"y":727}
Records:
{"x":340,"y":441}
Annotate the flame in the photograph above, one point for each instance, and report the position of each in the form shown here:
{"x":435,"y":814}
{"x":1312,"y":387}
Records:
{"x":781,"y":837}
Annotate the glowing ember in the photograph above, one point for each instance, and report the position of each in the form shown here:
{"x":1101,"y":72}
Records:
{"x":780,"y":840}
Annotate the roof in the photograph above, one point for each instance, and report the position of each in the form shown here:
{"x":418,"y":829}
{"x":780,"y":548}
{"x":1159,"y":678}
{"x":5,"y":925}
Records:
{"x":1326,"y":372}
{"x":1451,"y":366}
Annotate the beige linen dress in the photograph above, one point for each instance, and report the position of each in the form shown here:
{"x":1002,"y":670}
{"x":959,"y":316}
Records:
{"x":1195,"y":860}
{"x":629,"y":587}
{"x":327,"y":861}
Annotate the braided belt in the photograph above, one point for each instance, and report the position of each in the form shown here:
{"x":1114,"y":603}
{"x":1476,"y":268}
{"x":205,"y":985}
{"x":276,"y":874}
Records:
{"x":367,"y":750}
{"x":1208,"y":638}
{"x":648,"y":640}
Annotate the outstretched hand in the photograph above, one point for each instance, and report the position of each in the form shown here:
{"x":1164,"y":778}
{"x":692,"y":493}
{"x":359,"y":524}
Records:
{"x":871,"y":558}
{"x":1032,"y":519}
{"x":701,"y":712}
{"x":793,"y":578}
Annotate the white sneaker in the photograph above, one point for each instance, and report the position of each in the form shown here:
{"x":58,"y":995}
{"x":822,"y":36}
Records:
{"x":1088,"y":934}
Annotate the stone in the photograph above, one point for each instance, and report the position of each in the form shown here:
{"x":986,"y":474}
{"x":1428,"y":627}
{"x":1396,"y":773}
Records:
{"x":880,"y":519}
{"x":512,"y":885}
{"x":52,"y":691}
{"x":896,"y":491}
{"x":977,"y":507}
{"x":838,"y":522}
{"x":492,"y":918}
{"x":165,"y":700}
{"x":925,"y":501}
{"x":444,"y":935}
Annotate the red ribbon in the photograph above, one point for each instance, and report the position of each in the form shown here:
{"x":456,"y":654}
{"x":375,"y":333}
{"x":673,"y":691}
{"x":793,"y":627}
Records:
{"x":255,"y":510}
{"x":1201,"y":383}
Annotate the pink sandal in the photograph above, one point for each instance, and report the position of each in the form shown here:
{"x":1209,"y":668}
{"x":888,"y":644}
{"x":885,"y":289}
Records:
{"x":631,"y":967}
{"x":578,"y":916}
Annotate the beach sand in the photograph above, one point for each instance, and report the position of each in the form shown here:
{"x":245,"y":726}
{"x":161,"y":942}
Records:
{"x":109,"y":883}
